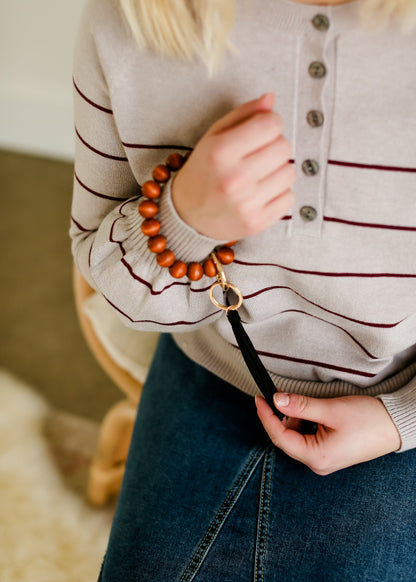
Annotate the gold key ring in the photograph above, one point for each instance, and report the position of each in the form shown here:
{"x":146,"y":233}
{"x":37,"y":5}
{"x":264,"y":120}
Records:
{"x":225,"y":285}
{"x":226,"y":307}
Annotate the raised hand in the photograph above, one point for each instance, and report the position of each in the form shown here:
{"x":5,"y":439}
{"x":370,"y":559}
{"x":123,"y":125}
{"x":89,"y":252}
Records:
{"x":237,"y":181}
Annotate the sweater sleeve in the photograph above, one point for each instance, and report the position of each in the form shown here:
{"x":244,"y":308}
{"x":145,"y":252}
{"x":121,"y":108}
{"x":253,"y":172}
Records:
{"x":109,"y":248}
{"x":401,"y":405}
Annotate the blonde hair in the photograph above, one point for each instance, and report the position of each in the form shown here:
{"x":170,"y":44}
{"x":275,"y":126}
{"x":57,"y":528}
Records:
{"x":376,"y":13}
{"x":182,"y":28}
{"x":188,"y":28}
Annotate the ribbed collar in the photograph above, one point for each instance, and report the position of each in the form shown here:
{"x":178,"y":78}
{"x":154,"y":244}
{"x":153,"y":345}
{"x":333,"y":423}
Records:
{"x":288,"y":15}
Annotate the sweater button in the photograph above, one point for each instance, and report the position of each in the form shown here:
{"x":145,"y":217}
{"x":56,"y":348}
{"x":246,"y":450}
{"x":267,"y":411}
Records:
{"x":310,"y":167}
{"x":320,"y":22}
{"x":317,"y":70}
{"x":315,"y":118}
{"x":308,"y":213}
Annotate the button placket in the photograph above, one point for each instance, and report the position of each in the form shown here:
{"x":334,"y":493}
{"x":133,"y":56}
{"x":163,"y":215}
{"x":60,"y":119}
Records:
{"x":313,"y":73}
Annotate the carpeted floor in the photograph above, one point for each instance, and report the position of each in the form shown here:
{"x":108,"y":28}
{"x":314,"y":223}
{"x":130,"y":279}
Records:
{"x":40,"y":340}
{"x":48,"y":533}
{"x":48,"y":432}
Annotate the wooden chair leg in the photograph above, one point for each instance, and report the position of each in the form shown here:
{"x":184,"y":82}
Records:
{"x":107,"y":468}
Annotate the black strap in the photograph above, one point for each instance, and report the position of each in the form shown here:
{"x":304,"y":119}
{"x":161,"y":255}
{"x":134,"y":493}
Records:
{"x":254,"y":364}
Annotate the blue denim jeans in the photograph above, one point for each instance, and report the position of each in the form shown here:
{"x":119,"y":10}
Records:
{"x":207,"y":498}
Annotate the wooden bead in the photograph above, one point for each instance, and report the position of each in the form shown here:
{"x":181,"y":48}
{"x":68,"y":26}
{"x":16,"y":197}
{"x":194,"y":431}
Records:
{"x":178,"y":269}
{"x":151,"y":189}
{"x":161,"y":173}
{"x":148,"y":208}
{"x":195,"y":271}
{"x":157,"y":244}
{"x":210,"y":269}
{"x":150,"y":227}
{"x":225,"y":255}
{"x":166,"y":259}
{"x":174,"y":162}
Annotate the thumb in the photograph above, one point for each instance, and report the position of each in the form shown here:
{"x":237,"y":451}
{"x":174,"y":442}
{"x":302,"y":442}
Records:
{"x":299,"y":406}
{"x":261,"y":105}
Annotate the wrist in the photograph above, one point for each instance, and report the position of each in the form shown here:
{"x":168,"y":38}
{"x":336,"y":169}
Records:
{"x":181,"y":202}
{"x":184,"y":239}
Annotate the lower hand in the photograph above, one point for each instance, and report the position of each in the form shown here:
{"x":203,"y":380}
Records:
{"x":351,"y":430}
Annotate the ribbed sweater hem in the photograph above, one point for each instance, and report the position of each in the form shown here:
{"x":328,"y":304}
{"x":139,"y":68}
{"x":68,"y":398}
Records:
{"x":225,"y":361}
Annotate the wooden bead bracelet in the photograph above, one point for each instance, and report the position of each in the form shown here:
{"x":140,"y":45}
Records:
{"x":148,"y":209}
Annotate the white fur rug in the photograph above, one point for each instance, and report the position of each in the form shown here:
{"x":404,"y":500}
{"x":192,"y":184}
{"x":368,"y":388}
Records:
{"x":47,"y":533}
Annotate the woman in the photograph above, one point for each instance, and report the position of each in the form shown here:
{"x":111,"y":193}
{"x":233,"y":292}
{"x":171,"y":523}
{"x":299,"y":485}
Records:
{"x":324,"y":266}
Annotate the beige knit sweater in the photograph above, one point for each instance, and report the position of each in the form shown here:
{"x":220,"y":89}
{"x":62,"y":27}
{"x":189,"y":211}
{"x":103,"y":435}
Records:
{"x":329,"y":302}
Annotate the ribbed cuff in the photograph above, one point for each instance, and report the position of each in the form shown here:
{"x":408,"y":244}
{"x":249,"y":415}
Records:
{"x":401,"y":406}
{"x":187,"y":244}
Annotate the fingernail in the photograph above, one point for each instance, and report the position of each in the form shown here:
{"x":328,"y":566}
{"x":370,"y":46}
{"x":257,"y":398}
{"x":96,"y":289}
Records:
{"x":281,"y":399}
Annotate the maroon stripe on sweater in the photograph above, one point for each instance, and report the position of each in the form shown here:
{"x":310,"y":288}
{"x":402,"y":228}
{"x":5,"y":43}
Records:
{"x":149,"y":285}
{"x":284,"y":287}
{"x":100,"y":107}
{"x":103,"y":154}
{"x":79,"y":226}
{"x":130,"y":268}
{"x":161,"y":323}
{"x":111,"y":238}
{"x":369,"y":224}
{"x":362,"y":224}
{"x":98,"y":193}
{"x":143,"y":281}
{"x":328,"y":274}
{"x":371,"y":166}
{"x":146,"y":146}
{"x":359,"y":344}
{"x":315,"y":363}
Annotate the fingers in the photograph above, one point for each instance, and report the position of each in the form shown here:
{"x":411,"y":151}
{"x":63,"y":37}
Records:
{"x":238,"y":181}
{"x":299,"y":406}
{"x":265,"y":162}
{"x":351,"y":430}
{"x":252,"y":134}
{"x":262,"y":189}
{"x":260,"y":176}
{"x":274,"y":185}
{"x":268,"y":418}
{"x":258,"y":221}
{"x":239,"y":114}
{"x":290,"y":441}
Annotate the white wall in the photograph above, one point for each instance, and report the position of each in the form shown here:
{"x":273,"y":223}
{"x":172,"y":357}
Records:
{"x":36,"y":47}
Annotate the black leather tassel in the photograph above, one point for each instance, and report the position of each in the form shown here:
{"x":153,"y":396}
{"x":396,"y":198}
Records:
{"x":254,"y":364}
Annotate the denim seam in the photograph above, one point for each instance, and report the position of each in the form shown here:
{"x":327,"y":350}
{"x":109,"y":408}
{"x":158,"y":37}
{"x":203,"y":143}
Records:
{"x":222,"y":514}
{"x":263,"y":518}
